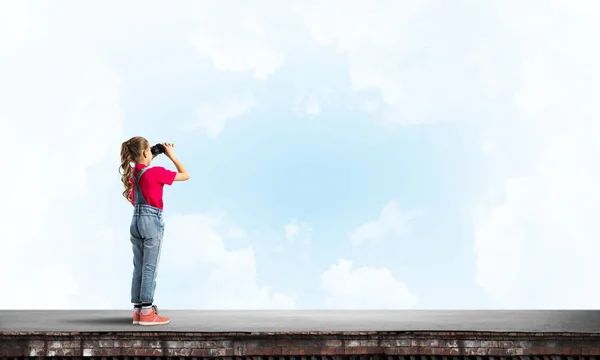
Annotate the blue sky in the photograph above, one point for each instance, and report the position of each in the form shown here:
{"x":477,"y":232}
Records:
{"x":390,"y":154}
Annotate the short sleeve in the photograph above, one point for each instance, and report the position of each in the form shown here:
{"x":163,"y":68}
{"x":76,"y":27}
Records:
{"x":163,"y":176}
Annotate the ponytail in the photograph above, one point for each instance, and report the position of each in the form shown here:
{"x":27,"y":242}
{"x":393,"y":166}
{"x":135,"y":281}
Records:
{"x":131,"y":151}
{"x":126,"y":171}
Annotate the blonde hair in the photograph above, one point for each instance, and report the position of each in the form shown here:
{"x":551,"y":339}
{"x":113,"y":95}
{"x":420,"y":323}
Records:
{"x":131,"y":151}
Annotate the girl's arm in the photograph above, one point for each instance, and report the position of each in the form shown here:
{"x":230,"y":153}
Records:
{"x":182,"y":173}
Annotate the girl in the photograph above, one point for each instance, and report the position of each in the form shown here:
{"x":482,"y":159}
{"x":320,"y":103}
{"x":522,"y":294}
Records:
{"x":144,"y":189}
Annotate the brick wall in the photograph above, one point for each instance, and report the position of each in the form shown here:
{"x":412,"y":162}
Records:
{"x":299,"y":346}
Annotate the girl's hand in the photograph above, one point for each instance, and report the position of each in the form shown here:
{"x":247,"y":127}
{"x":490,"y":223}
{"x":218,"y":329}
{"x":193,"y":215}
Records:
{"x":169,"y":149}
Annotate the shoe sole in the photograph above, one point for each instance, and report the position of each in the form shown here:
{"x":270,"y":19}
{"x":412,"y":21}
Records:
{"x":154,"y":323}
{"x":136,"y":323}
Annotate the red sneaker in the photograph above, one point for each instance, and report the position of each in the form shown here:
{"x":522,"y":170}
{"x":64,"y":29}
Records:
{"x":150,"y":317}
{"x":136,"y":316}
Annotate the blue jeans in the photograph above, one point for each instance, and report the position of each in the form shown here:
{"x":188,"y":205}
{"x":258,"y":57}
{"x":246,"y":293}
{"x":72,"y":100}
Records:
{"x":147,"y":229}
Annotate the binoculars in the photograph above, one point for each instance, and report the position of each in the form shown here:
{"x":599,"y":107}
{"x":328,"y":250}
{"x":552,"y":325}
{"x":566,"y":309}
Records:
{"x":157,"y":149}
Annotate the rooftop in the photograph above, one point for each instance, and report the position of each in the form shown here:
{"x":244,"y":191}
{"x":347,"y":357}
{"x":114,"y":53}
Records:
{"x":264,"y":321}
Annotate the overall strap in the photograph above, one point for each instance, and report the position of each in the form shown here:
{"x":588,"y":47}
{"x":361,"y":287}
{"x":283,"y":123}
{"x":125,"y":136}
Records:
{"x":138,"y":196}
{"x":142,"y":172}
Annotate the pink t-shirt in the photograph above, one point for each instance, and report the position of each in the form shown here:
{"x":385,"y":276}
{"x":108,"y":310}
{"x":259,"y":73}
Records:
{"x":152,"y":182}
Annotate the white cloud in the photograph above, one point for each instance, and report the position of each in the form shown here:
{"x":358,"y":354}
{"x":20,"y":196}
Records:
{"x":298,"y":231}
{"x":392,"y":223}
{"x":487,"y":146}
{"x":378,"y":38}
{"x":534,"y":246}
{"x":60,"y":114}
{"x":312,"y":107}
{"x":62,"y":122}
{"x":213,"y":118}
{"x":357,"y":28}
{"x":15,"y":25}
{"x":309,"y":107}
{"x":195,"y":254}
{"x":349,"y":288}
{"x":64,"y":222}
{"x":237,"y":38}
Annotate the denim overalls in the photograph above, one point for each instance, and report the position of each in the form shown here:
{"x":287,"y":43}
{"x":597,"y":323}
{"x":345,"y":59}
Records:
{"x":147,"y":229}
